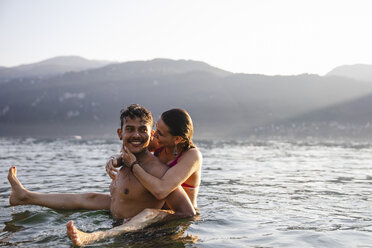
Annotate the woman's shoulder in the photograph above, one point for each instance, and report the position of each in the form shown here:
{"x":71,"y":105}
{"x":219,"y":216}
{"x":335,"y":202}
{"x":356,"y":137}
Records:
{"x":193,"y":152}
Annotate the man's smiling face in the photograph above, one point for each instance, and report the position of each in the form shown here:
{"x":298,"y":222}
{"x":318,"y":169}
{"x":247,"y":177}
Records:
{"x":136,"y":134}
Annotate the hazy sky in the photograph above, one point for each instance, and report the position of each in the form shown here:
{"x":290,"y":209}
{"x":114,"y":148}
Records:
{"x":251,"y":36}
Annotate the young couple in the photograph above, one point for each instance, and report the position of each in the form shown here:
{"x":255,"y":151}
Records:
{"x":144,"y":184}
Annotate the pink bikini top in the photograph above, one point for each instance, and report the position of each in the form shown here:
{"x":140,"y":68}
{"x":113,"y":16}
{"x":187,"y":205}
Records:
{"x":173,"y":163}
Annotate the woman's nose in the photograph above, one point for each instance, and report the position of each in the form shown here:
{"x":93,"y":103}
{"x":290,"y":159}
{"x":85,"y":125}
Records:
{"x":157,"y":134}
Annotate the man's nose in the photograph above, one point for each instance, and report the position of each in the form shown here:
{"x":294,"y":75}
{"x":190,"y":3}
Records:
{"x":136,"y":134}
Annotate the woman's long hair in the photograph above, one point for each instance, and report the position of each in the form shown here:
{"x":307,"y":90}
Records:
{"x":180,"y":124}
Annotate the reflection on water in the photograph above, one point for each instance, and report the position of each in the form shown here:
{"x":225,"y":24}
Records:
{"x":253,"y":194}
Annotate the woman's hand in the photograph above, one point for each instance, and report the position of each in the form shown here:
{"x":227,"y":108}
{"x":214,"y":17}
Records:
{"x":127,"y":157}
{"x":111,"y":164}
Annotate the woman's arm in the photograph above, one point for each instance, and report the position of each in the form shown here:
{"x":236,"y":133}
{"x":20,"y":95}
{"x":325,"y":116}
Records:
{"x":187,"y":164}
{"x":112,"y":163}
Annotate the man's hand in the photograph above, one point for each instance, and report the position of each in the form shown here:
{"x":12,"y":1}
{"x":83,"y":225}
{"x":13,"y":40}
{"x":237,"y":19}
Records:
{"x":127,"y":157}
{"x":111,"y":164}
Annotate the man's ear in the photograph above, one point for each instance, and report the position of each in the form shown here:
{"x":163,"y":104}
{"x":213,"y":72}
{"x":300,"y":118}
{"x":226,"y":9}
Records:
{"x":119,"y":133}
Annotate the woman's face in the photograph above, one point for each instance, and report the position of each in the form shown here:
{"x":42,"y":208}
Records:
{"x":163,"y":135}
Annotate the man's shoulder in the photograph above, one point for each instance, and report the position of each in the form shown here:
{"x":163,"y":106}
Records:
{"x":155,"y":167}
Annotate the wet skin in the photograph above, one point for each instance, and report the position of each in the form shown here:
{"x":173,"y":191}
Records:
{"x":128,"y":196}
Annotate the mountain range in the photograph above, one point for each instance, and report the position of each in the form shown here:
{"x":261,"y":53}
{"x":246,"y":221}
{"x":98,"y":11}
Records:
{"x":359,"y":72}
{"x":49,"y":67}
{"x":87,"y":100}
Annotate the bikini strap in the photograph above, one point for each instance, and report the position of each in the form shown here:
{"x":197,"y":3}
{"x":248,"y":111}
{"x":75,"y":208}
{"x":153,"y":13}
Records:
{"x":174,"y":162}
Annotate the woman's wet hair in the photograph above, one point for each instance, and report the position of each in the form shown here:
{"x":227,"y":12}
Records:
{"x":180,"y":124}
{"x":136,"y":111}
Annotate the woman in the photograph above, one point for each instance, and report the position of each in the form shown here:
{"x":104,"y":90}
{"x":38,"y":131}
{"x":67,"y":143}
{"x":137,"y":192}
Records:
{"x":173,"y":139}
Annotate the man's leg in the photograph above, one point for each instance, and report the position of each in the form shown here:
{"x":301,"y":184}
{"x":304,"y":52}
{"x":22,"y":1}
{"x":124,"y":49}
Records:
{"x":22,"y":196}
{"x":178,"y":201}
{"x":138,"y":222}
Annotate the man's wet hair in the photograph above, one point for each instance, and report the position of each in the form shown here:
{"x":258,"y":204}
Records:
{"x":136,"y":111}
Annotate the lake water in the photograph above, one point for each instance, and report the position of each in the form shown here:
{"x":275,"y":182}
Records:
{"x":253,"y":194}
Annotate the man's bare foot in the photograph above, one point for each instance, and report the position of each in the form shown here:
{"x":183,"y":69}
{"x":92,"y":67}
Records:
{"x":77,"y":237}
{"x":19,"y":193}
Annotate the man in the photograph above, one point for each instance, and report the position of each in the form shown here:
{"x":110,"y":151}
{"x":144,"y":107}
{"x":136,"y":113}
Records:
{"x":129,"y":199}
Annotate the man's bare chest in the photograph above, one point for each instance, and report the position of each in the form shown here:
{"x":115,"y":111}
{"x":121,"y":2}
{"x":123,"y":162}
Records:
{"x":126,"y":186}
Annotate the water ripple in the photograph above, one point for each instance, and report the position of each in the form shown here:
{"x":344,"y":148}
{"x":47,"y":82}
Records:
{"x":253,"y":194}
